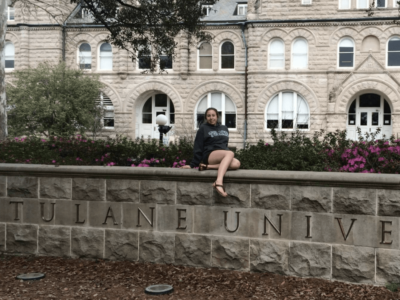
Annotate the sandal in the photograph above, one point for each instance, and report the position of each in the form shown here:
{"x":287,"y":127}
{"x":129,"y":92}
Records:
{"x":215,"y":185}
{"x":203,"y":167}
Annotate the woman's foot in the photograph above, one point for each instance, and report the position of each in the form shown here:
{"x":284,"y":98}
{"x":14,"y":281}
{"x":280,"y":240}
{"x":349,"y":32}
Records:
{"x":203,"y":167}
{"x":220,"y":189}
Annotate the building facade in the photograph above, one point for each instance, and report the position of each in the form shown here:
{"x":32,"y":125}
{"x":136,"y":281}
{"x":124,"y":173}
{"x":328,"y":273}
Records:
{"x":293,"y":65}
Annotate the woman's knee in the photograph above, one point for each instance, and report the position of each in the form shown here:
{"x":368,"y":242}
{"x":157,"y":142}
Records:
{"x":235,"y":164}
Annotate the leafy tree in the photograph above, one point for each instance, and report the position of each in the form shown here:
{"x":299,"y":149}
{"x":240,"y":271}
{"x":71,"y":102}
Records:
{"x":148,"y":29}
{"x":53,"y":100}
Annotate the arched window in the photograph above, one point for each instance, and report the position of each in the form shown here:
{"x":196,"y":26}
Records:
{"x":85,"y":56}
{"x":106,"y":62}
{"x":224,"y":105}
{"x":393,"y":55}
{"x":277,"y":54}
{"x":227,"y":56}
{"x":370,"y":43}
{"x":346,"y":53}
{"x":205,"y":56}
{"x":9,"y":52}
{"x":108,"y":110}
{"x":300,"y":54}
{"x":158,"y":104}
{"x":287,"y":110}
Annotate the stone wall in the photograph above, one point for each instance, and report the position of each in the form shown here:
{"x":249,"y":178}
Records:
{"x":328,"y":225}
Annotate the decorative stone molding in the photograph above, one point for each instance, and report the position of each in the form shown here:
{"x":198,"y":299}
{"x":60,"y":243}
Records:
{"x":113,"y":95}
{"x":390,"y":31}
{"x":270,"y":34}
{"x":214,"y":86}
{"x":374,"y":31}
{"x":228,"y":35}
{"x":366,"y":85}
{"x":286,"y":85}
{"x":343,"y":32}
{"x":153,"y":86}
{"x":304,"y":33}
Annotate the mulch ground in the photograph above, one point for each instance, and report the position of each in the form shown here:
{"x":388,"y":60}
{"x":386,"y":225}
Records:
{"x":85,"y":279}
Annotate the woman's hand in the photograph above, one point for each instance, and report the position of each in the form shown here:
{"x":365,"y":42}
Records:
{"x":185,"y":167}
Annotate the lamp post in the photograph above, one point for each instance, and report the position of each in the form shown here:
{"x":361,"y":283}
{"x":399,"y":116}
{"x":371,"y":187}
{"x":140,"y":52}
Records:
{"x":161,"y":120}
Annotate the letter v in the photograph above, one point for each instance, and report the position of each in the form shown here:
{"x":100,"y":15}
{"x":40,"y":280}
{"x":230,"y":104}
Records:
{"x":345,"y":236}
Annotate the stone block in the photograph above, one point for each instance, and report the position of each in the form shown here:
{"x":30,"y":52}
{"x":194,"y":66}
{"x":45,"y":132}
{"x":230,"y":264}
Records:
{"x":157,"y":247}
{"x":55,"y":188}
{"x":120,"y":190}
{"x":310,"y":260}
{"x":88,"y":189}
{"x":121,"y":245}
{"x":238,"y":195}
{"x":3,"y":186}
{"x":177,"y":218}
{"x":269,"y":256}
{"x":230,"y":253}
{"x":105,"y":214}
{"x":387,"y":266}
{"x":162,"y":192}
{"x":23,"y":187}
{"x":21,"y":238}
{"x":87,"y":243}
{"x":239,"y":221}
{"x":54,"y":241}
{"x":278,"y":227}
{"x":311,"y":199}
{"x":388,"y":202}
{"x":274,"y":197}
{"x":72,"y":213}
{"x":387,"y":232}
{"x":312,"y":227}
{"x":11,"y":210}
{"x":354,"y":201}
{"x":194,"y":193}
{"x":2,"y":237}
{"x":354,"y":264}
{"x":193,"y":250}
{"x":39,"y":211}
{"x":139,"y":216}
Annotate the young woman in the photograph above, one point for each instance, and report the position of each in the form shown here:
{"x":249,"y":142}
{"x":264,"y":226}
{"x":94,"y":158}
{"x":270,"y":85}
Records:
{"x":211,"y":147}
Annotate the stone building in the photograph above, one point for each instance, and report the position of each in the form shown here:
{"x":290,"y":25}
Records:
{"x":303,"y":64}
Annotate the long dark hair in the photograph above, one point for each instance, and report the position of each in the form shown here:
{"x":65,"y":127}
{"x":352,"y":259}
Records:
{"x":210,"y":108}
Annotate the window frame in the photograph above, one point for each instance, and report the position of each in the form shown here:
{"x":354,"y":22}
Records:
{"x":340,"y":4}
{"x":292,"y":52}
{"x":223,"y":112}
{"x":138,"y":60}
{"x":220,"y":56}
{"x":269,"y":54}
{"x":208,"y":8}
{"x":244,"y":6}
{"x":386,"y":4}
{"x":395,"y":5}
{"x":99,"y":58}
{"x":338,"y":53}
{"x":279,"y":94}
{"x":79,"y":57}
{"x":198,"y":57}
{"x":387,"y":52}
{"x":5,"y":44}
{"x":105,"y":109}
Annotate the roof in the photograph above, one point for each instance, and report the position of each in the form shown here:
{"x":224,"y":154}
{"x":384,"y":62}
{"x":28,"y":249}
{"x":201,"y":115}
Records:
{"x":224,"y":10}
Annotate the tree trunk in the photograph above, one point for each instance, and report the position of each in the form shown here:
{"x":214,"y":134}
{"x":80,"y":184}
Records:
{"x":3,"y":104}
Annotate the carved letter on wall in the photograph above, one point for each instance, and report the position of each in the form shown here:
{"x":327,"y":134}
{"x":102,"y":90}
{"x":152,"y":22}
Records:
{"x":308,"y":227}
{"x":180,"y":218}
{"x":226,"y":222}
{"x":42,"y":211}
{"x":342,"y":229}
{"x":279,"y":231}
{"x":110,"y":214}
{"x":140,"y":212}
{"x":384,"y":231}
{"x":77,"y":215}
{"x":16,"y":218}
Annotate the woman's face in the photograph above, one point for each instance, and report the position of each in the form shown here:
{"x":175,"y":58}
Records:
{"x":211,"y":117}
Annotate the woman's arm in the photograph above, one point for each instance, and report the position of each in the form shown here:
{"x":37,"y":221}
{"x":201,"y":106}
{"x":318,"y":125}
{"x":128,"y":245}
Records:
{"x":198,"y":148}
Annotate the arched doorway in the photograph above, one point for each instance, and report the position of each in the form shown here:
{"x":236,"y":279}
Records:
{"x":155,"y":105}
{"x":369,"y":112}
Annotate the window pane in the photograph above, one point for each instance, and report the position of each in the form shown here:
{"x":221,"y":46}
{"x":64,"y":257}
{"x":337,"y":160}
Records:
{"x":352,"y":119}
{"x":108,"y":122}
{"x":172,"y":118}
{"x":346,"y":49}
{"x":216,"y":101}
{"x":147,"y":106}
{"x":362,"y":4}
{"x":302,"y":126}
{"x":273,"y":123}
{"x":273,"y":107}
{"x":9,"y":50}
{"x":287,"y":123}
{"x":85,"y":48}
{"x":287,"y":106}
{"x":347,"y":43}
{"x":387,"y":119}
{"x":375,"y":118}
{"x":364,"y":119}
{"x":202,"y":105}
{"x":387,"y":109}
{"x":345,"y":59}
{"x":200,"y":120}
{"x":205,"y":62}
{"x":171,"y":107}
{"x":370,"y":100}
{"x":299,"y":61}
{"x":394,"y":44}
{"x":277,"y":47}
{"x":229,"y":106}
{"x":205,"y":49}
{"x":381,"y":3}
{"x":166,"y":62}
{"x":161,"y":100}
{"x":228,"y":62}
{"x":105,"y":48}
{"x":11,"y":13}
{"x":344,"y":4}
{"x":300,"y":46}
{"x":352,"y":109}
{"x":9,"y":64}
{"x":230,"y":120}
{"x":394,"y":59}
{"x":106,"y":63}
{"x":227,"y":48}
{"x":144,"y":62}
{"x":147,"y":118}
{"x":302,"y":111}
{"x":85,"y":66}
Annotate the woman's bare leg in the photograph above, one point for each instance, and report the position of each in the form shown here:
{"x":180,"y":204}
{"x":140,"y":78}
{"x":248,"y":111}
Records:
{"x":235,"y":164}
{"x":224,"y":158}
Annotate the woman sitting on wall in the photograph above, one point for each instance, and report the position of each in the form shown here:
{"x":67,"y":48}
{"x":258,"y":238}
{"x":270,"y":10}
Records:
{"x":211,"y":147}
